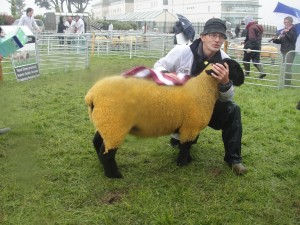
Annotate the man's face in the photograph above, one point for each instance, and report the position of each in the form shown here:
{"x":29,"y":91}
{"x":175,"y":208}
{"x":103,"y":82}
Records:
{"x":30,"y":13}
{"x":287,"y":23}
{"x":212,"y":42}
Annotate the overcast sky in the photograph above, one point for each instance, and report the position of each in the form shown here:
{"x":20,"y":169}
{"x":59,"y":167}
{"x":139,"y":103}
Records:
{"x":265,"y":12}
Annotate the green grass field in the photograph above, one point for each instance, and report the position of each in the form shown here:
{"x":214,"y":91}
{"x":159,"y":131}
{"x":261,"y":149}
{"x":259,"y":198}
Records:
{"x":49,"y":172}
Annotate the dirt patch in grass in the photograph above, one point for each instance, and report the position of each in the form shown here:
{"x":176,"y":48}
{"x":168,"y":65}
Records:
{"x":112,"y":197}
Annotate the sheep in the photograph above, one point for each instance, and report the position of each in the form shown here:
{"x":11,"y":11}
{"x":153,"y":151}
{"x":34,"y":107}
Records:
{"x":21,"y":56}
{"x":119,"y":105}
{"x":267,"y":51}
{"x":123,"y":41}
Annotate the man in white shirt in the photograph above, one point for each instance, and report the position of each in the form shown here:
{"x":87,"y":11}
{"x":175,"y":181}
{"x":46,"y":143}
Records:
{"x":192,"y":59}
{"x":70,"y":25}
{"x":79,"y":25}
{"x":28,"y":20}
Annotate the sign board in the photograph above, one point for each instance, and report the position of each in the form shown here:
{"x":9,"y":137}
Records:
{"x":12,"y":41}
{"x":24,"y":60}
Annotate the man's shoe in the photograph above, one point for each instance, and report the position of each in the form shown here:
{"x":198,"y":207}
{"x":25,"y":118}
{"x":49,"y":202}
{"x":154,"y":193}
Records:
{"x":238,"y":169}
{"x":4,"y":130}
{"x":261,"y":76}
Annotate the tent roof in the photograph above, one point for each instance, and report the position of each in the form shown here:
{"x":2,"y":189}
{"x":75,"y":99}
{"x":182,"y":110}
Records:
{"x":137,"y":16}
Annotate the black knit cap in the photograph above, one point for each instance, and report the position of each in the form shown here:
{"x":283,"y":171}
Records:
{"x":214,"y":25}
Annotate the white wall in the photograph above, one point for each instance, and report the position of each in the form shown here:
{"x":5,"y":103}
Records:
{"x":147,"y":5}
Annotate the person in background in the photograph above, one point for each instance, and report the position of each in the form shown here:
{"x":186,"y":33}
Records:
{"x":70,"y":25}
{"x":177,"y":29}
{"x":110,"y":27}
{"x":61,"y":28}
{"x":2,"y":130}
{"x":193,"y":59}
{"x":287,"y":39}
{"x":237,"y":30}
{"x":79,"y":25}
{"x":254,"y":33}
{"x":28,"y":20}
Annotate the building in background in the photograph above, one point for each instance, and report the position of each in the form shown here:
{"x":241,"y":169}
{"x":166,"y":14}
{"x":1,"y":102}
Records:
{"x":158,"y":14}
{"x":194,"y":10}
{"x":103,"y":8}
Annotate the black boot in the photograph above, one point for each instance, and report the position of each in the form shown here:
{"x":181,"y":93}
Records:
{"x":247,"y":69}
{"x":261,"y":71}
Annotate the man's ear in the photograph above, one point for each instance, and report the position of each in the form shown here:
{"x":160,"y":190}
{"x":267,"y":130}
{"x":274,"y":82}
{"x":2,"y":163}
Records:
{"x":201,"y":37}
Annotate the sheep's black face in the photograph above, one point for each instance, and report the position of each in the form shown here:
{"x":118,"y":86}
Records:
{"x":236,"y":73}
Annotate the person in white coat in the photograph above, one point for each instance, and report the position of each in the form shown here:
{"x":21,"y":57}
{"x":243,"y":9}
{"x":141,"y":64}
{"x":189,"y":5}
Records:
{"x":70,"y":25}
{"x":79,"y":25}
{"x":28,"y":20}
{"x":193,"y":59}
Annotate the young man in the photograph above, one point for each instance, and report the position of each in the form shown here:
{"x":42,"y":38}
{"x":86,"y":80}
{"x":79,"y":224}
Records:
{"x":193,"y":59}
{"x":28,"y":20}
{"x":287,"y":39}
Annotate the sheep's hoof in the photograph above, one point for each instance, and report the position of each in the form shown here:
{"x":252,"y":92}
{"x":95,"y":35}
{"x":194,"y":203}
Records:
{"x":114,"y":175}
{"x":183,"y":161}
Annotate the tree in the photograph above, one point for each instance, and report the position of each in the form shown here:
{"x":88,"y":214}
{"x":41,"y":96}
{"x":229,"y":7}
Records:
{"x":13,"y":8}
{"x":58,"y":5}
{"x":6,"y":20}
{"x":80,"y":5}
{"x":51,"y":4}
{"x":16,"y":7}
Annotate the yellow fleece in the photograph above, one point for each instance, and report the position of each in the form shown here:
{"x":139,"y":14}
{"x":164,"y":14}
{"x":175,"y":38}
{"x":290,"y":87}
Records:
{"x":128,"y":105}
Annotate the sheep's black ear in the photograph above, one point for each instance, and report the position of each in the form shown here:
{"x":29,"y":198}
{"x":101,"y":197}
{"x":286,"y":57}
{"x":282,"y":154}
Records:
{"x":208,"y":72}
{"x":236,"y":73}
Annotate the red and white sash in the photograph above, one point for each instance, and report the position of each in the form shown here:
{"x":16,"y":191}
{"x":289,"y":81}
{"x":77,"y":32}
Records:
{"x":157,"y":76}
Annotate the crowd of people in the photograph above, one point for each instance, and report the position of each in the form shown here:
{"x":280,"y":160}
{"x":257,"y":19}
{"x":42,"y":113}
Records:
{"x":71,"y":26}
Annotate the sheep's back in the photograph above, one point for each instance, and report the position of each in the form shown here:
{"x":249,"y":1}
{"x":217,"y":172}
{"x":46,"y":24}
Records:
{"x":139,"y":104}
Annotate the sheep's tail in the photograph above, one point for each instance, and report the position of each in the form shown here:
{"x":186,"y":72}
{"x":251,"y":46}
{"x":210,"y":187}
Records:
{"x":89,"y":103}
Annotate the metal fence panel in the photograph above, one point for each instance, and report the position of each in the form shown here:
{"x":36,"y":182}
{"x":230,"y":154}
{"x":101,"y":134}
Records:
{"x":68,"y":52}
{"x":56,"y":52}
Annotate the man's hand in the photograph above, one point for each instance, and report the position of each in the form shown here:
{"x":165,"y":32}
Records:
{"x":221,"y":73}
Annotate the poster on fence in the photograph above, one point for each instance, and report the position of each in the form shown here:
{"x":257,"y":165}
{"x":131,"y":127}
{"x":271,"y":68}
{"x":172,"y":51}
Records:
{"x":24,"y":60}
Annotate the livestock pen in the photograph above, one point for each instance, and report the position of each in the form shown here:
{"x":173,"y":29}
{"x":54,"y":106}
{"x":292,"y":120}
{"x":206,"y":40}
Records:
{"x":68,"y":52}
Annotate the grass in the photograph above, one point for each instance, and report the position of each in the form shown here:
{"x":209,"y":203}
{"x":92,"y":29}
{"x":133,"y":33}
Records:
{"x":49,"y":172}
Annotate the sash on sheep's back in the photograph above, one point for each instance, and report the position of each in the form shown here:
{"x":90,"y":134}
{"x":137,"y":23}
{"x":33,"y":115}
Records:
{"x":158,"y":77}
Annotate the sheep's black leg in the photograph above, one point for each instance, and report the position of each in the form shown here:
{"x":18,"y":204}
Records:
{"x":184,"y":156}
{"x":97,"y":141}
{"x":109,"y":163}
{"x":108,"y":160}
